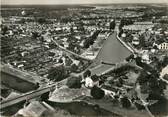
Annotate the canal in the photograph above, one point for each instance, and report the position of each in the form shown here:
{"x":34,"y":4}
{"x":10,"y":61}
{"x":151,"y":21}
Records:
{"x":113,"y":51}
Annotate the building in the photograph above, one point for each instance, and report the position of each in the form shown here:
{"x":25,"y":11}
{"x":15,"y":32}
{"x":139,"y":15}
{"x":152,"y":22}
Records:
{"x":164,"y":71}
{"x":135,"y":40}
{"x":145,"y":57}
{"x":163,"y":46}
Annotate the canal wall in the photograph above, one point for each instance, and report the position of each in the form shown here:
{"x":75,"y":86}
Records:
{"x":123,"y":43}
{"x":113,"y":51}
{"x":17,"y":80}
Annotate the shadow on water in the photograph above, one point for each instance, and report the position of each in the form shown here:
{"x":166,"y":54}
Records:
{"x":83,"y":109}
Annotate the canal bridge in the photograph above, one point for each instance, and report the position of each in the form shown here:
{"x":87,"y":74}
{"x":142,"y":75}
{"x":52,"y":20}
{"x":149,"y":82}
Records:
{"x":114,"y":50}
{"x":26,"y":96}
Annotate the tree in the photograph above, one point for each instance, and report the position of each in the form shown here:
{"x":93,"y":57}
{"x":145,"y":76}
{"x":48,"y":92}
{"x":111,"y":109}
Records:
{"x":120,"y":27}
{"x":74,"y":68}
{"x":35,"y":35}
{"x":143,"y":78}
{"x":72,"y":30}
{"x":112,"y":25}
{"x":52,"y":45}
{"x":151,"y":83}
{"x":125,"y":102}
{"x":131,"y":57}
{"x":165,"y":77}
{"x":164,"y":63}
{"x":41,"y":20}
{"x":97,"y":93}
{"x":128,"y":37}
{"x":6,"y":46}
{"x":125,"y":22}
{"x":87,"y":43}
{"x":94,"y":77}
{"x":91,"y":40}
{"x":87,"y":73}
{"x":120,"y":33}
{"x":22,"y":21}
{"x":4,"y":29}
{"x":74,"y":82}
{"x":57,"y":73}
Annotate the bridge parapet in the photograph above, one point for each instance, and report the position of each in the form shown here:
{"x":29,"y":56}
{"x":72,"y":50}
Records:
{"x":27,"y":96}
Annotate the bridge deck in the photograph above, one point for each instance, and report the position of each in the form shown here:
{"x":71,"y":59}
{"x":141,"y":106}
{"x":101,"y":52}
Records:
{"x":26,"y":96}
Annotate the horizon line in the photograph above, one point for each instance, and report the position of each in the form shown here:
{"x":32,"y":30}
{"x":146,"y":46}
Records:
{"x":92,"y":3}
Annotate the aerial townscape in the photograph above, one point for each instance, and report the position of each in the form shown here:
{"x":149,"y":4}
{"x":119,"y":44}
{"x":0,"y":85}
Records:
{"x":84,"y":60}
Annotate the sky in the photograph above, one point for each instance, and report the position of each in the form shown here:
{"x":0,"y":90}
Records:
{"x":78,"y":1}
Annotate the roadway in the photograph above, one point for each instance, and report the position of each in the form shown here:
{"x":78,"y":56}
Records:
{"x":70,"y":52}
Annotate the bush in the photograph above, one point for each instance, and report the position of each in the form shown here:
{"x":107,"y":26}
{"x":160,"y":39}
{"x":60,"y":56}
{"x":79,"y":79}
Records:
{"x":95,"y":78}
{"x":112,"y":25}
{"x":74,"y":82}
{"x":165,"y":77}
{"x":151,"y":83}
{"x":91,"y":40}
{"x":87,"y":73}
{"x":125,"y":102}
{"x":41,"y":20}
{"x":57,"y":73}
{"x":97,"y":93}
{"x":74,"y":68}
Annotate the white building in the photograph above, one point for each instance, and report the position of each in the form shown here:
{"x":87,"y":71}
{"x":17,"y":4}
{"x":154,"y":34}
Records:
{"x":145,"y":57}
{"x":135,"y":40}
{"x":163,"y":46}
{"x":164,"y":71}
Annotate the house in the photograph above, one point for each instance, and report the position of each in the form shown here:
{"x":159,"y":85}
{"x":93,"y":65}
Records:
{"x":90,"y":53}
{"x":163,"y":46}
{"x":135,"y":40}
{"x":23,"y":12}
{"x":66,"y":44}
{"x":78,"y":37}
{"x":58,"y":29}
{"x":123,"y":35}
{"x":82,"y":43}
{"x":102,"y":35}
{"x":166,"y":32}
{"x":145,"y":57}
{"x":164,"y":71}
